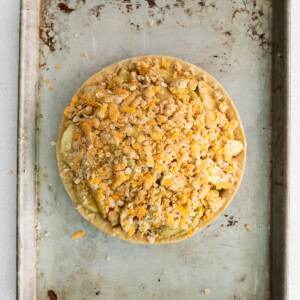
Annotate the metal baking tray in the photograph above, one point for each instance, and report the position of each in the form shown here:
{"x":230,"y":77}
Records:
{"x":245,"y":45}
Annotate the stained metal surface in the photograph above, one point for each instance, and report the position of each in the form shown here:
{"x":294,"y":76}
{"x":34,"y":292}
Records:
{"x":232,"y":41}
{"x":27,"y":217}
{"x":280,"y":150}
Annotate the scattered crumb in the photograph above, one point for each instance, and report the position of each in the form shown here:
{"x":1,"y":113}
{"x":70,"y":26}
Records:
{"x":57,"y":67}
{"x":52,"y":143}
{"x":77,"y":235}
{"x":248,"y":227}
{"x":108,"y":258}
{"x":85,"y":55}
{"x":47,"y":234}
{"x":47,"y":81}
{"x":51,"y":87}
{"x":206,"y":291}
{"x":76,"y":35}
{"x":78,"y":206}
{"x":150,"y":23}
{"x":10,"y":172}
{"x":38,"y":226}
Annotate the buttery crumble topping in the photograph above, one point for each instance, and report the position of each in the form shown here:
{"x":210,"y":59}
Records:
{"x":151,"y":148}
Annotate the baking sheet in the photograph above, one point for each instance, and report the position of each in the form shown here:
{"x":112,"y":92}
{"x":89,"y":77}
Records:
{"x":232,"y":40}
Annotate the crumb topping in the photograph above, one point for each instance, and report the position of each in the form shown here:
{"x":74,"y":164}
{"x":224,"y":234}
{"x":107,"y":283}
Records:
{"x":151,"y":148}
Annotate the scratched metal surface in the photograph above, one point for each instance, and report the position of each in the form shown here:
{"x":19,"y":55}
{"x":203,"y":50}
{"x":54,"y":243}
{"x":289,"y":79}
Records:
{"x":231,"y":40}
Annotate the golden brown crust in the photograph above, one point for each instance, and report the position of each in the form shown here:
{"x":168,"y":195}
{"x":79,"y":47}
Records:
{"x":103,"y":224}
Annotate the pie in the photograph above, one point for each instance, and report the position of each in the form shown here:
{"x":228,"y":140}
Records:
{"x":151,"y":149}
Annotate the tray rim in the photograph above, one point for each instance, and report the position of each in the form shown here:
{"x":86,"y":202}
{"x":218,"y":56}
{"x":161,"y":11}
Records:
{"x":279,"y":212}
{"x":26,"y":183}
{"x":28,"y":74}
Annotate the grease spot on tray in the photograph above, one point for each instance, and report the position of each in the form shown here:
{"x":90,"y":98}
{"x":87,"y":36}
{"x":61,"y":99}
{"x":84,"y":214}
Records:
{"x":254,"y":29}
{"x":128,"y":5}
{"x":96,"y":10}
{"x":137,"y":26}
{"x":179,"y":3}
{"x":231,"y":221}
{"x":65,"y":8}
{"x":47,"y":35}
{"x":151,"y":3}
{"x":188,"y":11}
{"x":52,"y":295}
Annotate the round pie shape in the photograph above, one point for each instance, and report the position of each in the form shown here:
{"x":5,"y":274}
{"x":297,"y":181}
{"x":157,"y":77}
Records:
{"x":154,"y":143}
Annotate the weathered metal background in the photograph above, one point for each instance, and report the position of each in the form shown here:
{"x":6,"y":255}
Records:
{"x":232,"y":41}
